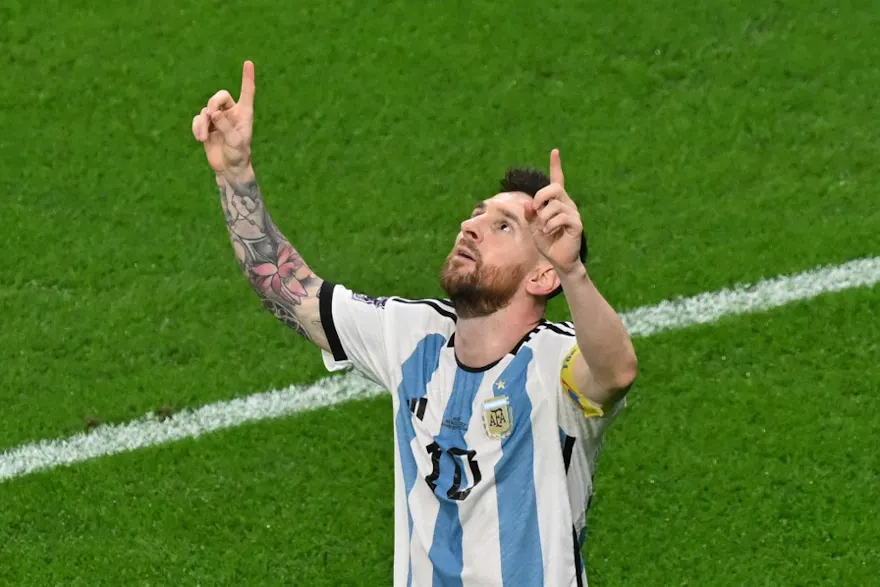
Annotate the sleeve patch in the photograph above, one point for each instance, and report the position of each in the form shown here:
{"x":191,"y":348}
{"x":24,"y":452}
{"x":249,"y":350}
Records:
{"x":378,"y":302}
{"x":570,"y":388}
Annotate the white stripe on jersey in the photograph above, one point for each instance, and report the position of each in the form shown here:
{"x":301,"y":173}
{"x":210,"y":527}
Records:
{"x":552,"y":513}
{"x":482,"y":559}
{"x":424,"y":507}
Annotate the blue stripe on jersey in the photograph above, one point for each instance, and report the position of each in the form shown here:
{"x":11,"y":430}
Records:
{"x":446,"y":550}
{"x":447,"y":554}
{"x":521,"y":557}
{"x":417,"y":371}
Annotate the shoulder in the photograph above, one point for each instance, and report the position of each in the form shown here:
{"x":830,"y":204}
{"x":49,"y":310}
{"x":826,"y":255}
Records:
{"x":427,"y":308}
{"x":563,"y":329}
{"x":550,"y":342}
{"x":402,"y":311}
{"x":551,"y":334}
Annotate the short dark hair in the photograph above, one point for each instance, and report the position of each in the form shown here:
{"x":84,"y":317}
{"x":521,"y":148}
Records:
{"x":531,"y":181}
{"x":523,"y":179}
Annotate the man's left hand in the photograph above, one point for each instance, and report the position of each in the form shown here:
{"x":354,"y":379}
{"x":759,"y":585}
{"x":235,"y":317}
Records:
{"x":555,"y":221}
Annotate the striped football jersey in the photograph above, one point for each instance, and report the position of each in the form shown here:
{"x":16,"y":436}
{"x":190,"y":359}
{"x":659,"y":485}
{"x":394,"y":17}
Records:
{"x":493,"y":466}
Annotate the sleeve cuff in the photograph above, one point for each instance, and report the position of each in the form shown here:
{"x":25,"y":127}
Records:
{"x":325,"y":309}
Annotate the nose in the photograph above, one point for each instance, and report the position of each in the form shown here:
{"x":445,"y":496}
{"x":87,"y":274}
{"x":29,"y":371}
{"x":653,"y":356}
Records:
{"x":470,"y":230}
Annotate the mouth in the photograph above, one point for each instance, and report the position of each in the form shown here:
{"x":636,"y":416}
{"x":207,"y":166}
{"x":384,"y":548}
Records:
{"x":464,"y":254}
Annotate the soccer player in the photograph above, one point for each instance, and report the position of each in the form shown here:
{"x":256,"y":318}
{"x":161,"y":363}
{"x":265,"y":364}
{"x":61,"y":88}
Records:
{"x":498,"y":413}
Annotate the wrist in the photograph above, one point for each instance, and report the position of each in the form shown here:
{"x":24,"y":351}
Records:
{"x":236,"y":175}
{"x":576,"y":272}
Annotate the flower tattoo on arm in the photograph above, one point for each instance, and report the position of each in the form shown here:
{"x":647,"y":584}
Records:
{"x":273,"y":267}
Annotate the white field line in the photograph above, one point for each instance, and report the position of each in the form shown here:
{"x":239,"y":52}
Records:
{"x":668,"y":315}
{"x":764,"y":295}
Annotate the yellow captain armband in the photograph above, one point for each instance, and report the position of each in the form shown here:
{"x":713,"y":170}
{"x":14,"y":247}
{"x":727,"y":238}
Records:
{"x":570,"y":388}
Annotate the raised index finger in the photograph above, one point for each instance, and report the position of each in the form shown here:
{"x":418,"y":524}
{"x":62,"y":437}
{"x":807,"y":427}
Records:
{"x":248,"y":86}
{"x":556,"y":175}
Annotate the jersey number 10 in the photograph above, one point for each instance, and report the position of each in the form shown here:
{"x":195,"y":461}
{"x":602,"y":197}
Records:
{"x":458,"y":458}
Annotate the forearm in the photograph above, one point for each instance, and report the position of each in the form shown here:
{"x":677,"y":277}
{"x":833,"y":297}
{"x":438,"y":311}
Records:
{"x":276,"y":271}
{"x":602,"y":338}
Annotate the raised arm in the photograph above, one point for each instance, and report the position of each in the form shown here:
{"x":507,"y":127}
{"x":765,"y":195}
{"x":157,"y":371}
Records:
{"x":276,"y":271}
{"x":606,"y":366}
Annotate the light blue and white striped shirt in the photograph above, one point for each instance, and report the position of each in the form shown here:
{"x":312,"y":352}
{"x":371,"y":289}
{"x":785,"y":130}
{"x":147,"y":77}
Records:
{"x":494,"y":466}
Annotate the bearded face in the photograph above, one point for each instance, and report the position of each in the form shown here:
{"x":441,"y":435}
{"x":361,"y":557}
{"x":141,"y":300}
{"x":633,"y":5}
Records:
{"x":492,"y":257}
{"x":475,"y":288}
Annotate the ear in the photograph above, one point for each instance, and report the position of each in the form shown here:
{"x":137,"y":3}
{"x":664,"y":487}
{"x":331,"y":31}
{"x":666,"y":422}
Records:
{"x":543,"y":280}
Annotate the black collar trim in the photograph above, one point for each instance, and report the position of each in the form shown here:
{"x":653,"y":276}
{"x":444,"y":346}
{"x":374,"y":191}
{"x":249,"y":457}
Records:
{"x":451,"y":344}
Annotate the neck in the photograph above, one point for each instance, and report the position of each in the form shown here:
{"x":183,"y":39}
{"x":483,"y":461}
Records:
{"x":484,"y":340}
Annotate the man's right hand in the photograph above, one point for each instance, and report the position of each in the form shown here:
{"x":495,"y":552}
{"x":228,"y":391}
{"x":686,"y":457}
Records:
{"x":225,"y":127}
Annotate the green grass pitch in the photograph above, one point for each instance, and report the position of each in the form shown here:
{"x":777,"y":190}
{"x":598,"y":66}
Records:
{"x":707,"y":144}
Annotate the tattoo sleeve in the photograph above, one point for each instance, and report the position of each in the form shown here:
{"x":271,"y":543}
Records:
{"x":276,"y":271}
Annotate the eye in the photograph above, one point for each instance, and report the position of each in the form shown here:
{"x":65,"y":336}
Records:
{"x":505,"y":227}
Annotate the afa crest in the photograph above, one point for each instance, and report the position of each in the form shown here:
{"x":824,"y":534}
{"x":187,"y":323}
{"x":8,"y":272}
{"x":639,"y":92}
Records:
{"x":498,"y":417}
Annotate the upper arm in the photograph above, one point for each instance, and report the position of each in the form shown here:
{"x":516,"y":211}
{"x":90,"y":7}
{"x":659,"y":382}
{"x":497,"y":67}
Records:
{"x":354,"y":327}
{"x":377,"y":335}
{"x":583,"y":389}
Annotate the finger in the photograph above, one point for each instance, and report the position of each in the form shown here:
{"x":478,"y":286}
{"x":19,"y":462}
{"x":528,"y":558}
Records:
{"x":529,"y":210}
{"x":553,"y":208}
{"x":546,"y":194}
{"x":534,"y":219}
{"x":556,"y":175}
{"x":196,"y":129}
{"x":222,"y":100}
{"x":230,"y":135}
{"x":201,"y":124}
{"x":248,"y":86}
{"x":198,"y":123}
{"x":560,"y":221}
{"x":206,"y":124}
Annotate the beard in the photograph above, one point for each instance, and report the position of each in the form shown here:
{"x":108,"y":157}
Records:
{"x":476,"y":289}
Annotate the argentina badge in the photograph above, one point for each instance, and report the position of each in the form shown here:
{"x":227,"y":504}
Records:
{"x":498,"y":417}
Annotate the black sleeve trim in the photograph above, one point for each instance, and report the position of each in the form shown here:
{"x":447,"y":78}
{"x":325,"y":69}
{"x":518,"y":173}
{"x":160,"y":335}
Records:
{"x":325,"y":309}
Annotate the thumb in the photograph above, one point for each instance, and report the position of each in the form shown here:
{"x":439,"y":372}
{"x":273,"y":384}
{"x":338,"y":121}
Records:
{"x":221,"y":123}
{"x":536,"y":224}
{"x":531,"y":213}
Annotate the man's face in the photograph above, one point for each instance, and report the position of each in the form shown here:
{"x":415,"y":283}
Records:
{"x":492,"y":256}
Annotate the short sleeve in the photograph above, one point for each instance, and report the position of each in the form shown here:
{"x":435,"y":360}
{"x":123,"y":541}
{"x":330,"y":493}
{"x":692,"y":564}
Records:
{"x":356,"y":327}
{"x":576,"y":411}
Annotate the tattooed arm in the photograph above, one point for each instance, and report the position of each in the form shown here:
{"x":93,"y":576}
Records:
{"x":277,"y":272}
